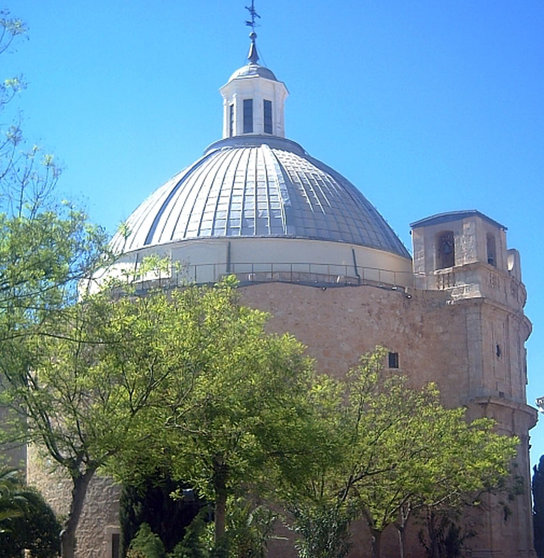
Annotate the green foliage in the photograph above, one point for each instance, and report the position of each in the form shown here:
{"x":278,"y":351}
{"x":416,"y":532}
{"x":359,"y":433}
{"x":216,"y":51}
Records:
{"x":9,"y":496}
{"x":396,"y":450}
{"x":197,"y":541}
{"x":42,"y":257}
{"x":46,"y":246}
{"x":187,"y":382}
{"x":233,"y":402}
{"x":152,"y":502}
{"x":249,"y":528}
{"x":146,"y":544}
{"x":323,"y":531}
{"x":26,"y":521}
{"x":87,"y":387}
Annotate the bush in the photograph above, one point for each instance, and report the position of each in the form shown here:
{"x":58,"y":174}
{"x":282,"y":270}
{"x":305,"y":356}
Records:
{"x":146,"y":544}
{"x":33,"y":527}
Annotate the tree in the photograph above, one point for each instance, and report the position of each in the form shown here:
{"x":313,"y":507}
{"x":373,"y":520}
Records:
{"x":323,"y":529}
{"x":538,"y":507}
{"x":311,"y":487}
{"x":430,"y":457}
{"x":236,"y":404}
{"x":187,"y":382}
{"x":400,"y":450}
{"x":26,"y":521}
{"x":46,"y":246}
{"x":146,"y":544}
{"x":79,"y":394}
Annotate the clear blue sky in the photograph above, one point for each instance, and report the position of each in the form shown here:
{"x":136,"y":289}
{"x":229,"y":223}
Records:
{"x":426,"y":106}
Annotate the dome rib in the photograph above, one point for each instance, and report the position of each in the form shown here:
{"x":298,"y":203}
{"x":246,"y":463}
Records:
{"x":172,"y":193}
{"x":284,"y":195}
{"x":230,"y":177}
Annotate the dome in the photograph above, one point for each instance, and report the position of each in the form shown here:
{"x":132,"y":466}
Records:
{"x":250,"y":70}
{"x":256,"y":205}
{"x":258,"y":187}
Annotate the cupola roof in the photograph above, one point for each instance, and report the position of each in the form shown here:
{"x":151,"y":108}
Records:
{"x":250,"y":70}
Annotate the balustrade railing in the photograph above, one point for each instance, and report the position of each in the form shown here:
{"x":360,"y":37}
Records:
{"x":317,"y":274}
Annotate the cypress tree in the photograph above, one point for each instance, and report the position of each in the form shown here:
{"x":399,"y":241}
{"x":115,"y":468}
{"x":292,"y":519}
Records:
{"x":538,"y":507}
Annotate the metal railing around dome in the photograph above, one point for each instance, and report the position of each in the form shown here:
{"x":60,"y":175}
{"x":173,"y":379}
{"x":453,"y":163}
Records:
{"x":314,"y":274}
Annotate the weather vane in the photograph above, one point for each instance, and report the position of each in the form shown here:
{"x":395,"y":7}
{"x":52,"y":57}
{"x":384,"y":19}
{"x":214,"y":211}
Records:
{"x":252,"y":56}
{"x":253,"y":13}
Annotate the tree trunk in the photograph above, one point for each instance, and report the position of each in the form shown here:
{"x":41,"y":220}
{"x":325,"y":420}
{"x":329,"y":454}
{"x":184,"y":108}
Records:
{"x":400,"y":533}
{"x":434,"y":551}
{"x":220,"y":488}
{"x":404,"y":514}
{"x":376,"y":543}
{"x":79,"y":491}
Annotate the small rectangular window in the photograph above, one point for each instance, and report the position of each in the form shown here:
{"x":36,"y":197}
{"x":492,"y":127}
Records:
{"x":393,"y":360}
{"x":267,"y":108}
{"x":231,"y":120}
{"x":248,"y":116}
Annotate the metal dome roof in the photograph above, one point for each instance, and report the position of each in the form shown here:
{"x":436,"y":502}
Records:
{"x":250,"y":70}
{"x":257,"y":186}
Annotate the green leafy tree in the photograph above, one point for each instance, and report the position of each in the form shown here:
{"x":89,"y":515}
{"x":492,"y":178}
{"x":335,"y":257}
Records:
{"x":195,"y":542}
{"x":186,"y":382}
{"x":45,"y":246}
{"x":323,"y":530}
{"x":79,"y":395}
{"x":236,"y":404}
{"x":429,"y":457}
{"x":151,"y":502}
{"x":398,"y":450}
{"x":250,"y":528}
{"x":311,"y":486}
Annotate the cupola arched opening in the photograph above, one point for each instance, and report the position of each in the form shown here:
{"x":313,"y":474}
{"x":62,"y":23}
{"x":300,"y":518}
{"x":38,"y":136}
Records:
{"x":445,"y":249}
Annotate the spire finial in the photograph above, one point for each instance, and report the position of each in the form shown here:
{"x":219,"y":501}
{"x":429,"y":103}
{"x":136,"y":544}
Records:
{"x":252,"y":56}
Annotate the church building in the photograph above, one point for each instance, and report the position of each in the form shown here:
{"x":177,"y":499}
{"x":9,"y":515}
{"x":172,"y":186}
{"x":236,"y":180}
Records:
{"x":309,"y":248}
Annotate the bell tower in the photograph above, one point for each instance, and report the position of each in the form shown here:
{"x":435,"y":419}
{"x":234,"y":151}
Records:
{"x":464,"y":253}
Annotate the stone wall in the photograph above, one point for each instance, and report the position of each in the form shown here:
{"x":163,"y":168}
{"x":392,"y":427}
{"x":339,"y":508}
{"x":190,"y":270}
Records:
{"x":338,"y":325}
{"x":100,"y":515}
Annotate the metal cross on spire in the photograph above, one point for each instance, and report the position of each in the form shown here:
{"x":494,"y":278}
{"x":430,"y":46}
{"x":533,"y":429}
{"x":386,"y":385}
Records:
{"x":252,"y":56}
